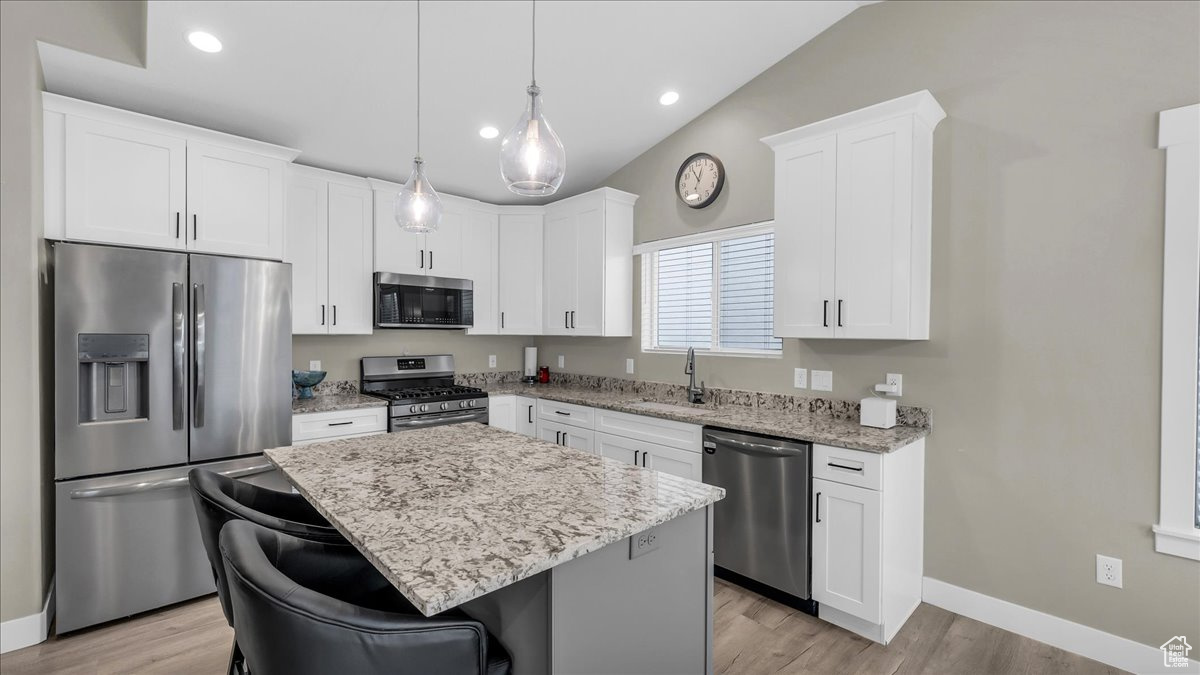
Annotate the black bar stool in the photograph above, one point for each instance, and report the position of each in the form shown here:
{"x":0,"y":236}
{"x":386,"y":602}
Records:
{"x":304,"y":607}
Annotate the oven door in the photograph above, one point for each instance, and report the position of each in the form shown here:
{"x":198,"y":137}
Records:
{"x":438,"y":419}
{"x":412,"y":301}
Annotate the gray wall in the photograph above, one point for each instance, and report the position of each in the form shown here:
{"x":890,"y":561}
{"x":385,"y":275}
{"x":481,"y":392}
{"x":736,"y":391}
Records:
{"x":1043,"y":367}
{"x":339,"y":354}
{"x":115,"y":30}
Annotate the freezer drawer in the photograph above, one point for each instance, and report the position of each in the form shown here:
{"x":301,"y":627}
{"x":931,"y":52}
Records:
{"x":130,"y":543}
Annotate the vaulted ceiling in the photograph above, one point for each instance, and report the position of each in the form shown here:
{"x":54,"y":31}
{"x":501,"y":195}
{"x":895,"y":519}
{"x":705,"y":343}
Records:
{"x":337,"y":79}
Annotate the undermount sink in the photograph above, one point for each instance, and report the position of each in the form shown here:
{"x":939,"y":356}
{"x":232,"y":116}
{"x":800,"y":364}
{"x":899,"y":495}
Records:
{"x":671,"y":408}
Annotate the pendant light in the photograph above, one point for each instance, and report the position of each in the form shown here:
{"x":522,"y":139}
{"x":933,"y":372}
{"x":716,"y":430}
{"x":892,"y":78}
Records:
{"x":418,"y":207}
{"x":532,"y":160}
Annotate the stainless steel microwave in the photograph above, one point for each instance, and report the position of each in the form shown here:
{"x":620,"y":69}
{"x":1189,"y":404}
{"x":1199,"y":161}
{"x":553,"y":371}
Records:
{"x":414,"y":301}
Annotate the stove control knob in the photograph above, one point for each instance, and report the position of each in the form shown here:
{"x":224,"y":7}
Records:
{"x":462,"y":404}
{"x":471,"y":404}
{"x":412,"y":408}
{"x":445,"y":406}
{"x":424,"y":407}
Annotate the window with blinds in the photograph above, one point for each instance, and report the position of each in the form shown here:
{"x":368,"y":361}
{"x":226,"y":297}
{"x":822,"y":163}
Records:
{"x":714,"y":295}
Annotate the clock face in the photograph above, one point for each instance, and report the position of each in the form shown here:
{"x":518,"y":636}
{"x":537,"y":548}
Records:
{"x":699,"y":180}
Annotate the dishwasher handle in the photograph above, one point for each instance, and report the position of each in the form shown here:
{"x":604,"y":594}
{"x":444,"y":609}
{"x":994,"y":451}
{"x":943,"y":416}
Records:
{"x":750,"y":448}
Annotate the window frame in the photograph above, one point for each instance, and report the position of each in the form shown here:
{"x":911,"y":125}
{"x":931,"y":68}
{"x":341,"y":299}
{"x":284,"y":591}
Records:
{"x":1176,"y":532}
{"x":649,"y":299}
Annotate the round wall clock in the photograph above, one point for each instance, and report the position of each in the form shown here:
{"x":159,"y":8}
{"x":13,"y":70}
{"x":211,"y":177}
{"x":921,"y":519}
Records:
{"x":699,"y":180}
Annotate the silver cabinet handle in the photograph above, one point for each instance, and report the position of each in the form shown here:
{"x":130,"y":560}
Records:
{"x":199,"y":331}
{"x":178,"y":374}
{"x":150,"y":486}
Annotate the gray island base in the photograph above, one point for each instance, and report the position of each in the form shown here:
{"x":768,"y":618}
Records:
{"x":577,"y":563}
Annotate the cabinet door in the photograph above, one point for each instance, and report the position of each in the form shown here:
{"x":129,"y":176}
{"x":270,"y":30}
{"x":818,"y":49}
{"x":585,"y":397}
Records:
{"x":234,"y":202}
{"x":396,"y":251}
{"x":558,"y":283}
{"x":846,"y":549}
{"x":520,"y":274}
{"x":587,"y":314}
{"x":566,"y":435}
{"x":874,"y":229}
{"x":443,"y":246}
{"x":805,"y":189}
{"x":306,"y":249}
{"x":124,"y":185}
{"x":502,"y":412}
{"x":479,"y":254}
{"x":621,"y":449}
{"x":350,"y":252}
{"x":673,"y":461}
{"x":526,"y":416}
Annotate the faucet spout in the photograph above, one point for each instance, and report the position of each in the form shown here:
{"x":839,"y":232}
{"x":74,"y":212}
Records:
{"x":695,"y":394}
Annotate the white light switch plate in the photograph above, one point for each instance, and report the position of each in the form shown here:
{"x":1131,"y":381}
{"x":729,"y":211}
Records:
{"x":800,"y":380}
{"x":314,"y":365}
{"x":822,"y":380}
{"x":491,"y":360}
{"x":629,"y":366}
{"x":562,"y":361}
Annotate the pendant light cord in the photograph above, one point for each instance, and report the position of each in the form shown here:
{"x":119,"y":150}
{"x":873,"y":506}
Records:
{"x":418,"y":78}
{"x":533,"y":51}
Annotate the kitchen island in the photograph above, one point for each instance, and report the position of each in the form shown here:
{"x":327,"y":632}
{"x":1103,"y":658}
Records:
{"x":534,"y":540}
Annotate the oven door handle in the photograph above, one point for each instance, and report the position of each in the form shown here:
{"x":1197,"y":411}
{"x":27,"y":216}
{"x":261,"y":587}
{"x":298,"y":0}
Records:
{"x":427,"y":421}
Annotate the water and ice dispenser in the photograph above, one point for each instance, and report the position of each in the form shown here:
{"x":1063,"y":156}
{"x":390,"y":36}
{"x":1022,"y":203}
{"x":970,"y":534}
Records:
{"x":113,"y":377}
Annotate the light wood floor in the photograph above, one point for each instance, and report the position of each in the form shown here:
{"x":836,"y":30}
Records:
{"x":752,"y":634}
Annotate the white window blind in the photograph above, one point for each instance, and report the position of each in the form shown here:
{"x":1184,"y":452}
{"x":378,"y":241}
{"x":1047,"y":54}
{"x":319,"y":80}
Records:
{"x":710,"y":292}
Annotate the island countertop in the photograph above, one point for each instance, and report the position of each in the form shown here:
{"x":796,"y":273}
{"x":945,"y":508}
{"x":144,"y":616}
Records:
{"x":451,"y":513}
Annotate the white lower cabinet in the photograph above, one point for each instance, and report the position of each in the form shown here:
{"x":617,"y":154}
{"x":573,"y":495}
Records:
{"x":682,"y":463}
{"x":868,"y":537}
{"x":328,"y":426}
{"x":526,"y":415}
{"x":566,"y":435}
{"x":513,"y":413}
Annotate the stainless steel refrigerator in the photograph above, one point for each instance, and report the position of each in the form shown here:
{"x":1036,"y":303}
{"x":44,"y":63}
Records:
{"x":163,"y":361}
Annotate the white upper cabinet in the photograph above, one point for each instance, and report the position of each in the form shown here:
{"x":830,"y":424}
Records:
{"x":436,"y":254}
{"x":444,"y":246}
{"x":519,"y":295}
{"x":117,"y":177}
{"x":852,"y":222}
{"x":479,"y":264}
{"x":329,"y":244}
{"x":588,"y":269}
{"x":128,"y":186}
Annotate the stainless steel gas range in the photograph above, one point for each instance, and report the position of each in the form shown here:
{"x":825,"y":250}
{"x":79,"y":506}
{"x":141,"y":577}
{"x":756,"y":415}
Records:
{"x":421,"y":391}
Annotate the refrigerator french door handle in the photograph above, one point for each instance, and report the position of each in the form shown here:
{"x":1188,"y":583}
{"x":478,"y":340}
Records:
{"x":150,"y":486}
{"x":178,"y":374}
{"x":198,"y":330}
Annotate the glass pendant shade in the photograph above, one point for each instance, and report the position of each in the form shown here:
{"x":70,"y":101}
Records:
{"x":532,"y":160}
{"x":418,"y":207}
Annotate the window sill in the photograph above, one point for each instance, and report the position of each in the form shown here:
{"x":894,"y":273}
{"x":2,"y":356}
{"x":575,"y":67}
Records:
{"x":708,"y":352}
{"x":1182,"y":543}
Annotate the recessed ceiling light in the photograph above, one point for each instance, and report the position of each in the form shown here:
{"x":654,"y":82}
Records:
{"x":205,"y":42}
{"x":669,"y":98}
{"x":489,"y":132}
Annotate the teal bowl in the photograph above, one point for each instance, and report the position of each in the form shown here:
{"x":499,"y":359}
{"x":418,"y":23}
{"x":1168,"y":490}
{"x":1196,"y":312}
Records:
{"x":305,"y":380}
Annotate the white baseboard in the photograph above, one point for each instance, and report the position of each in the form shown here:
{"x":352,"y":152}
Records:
{"x":1073,"y":637}
{"x":27,"y":631}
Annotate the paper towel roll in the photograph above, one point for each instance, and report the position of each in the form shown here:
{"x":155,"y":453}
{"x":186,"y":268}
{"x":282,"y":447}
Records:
{"x":530,"y":361}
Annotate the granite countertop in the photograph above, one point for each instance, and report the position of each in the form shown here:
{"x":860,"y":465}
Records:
{"x":452,"y":513}
{"x":336,"y":401}
{"x":793,"y":424}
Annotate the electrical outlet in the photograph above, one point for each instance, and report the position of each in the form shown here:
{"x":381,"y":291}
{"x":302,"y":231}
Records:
{"x":562,"y":361}
{"x":643,"y":543}
{"x":491,"y":360}
{"x":1108,"y":571}
{"x":800,"y":379}
{"x":822,"y":380}
{"x":314,"y":365}
{"x":629,"y":366}
{"x":896,"y":380}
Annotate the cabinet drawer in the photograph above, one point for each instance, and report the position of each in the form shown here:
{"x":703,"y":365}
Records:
{"x":652,"y":429}
{"x":851,"y":467}
{"x":330,"y":425}
{"x":566,"y":413}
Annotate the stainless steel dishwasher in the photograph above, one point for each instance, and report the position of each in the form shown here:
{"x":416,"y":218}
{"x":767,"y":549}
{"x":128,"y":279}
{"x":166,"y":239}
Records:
{"x":761,"y":528}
